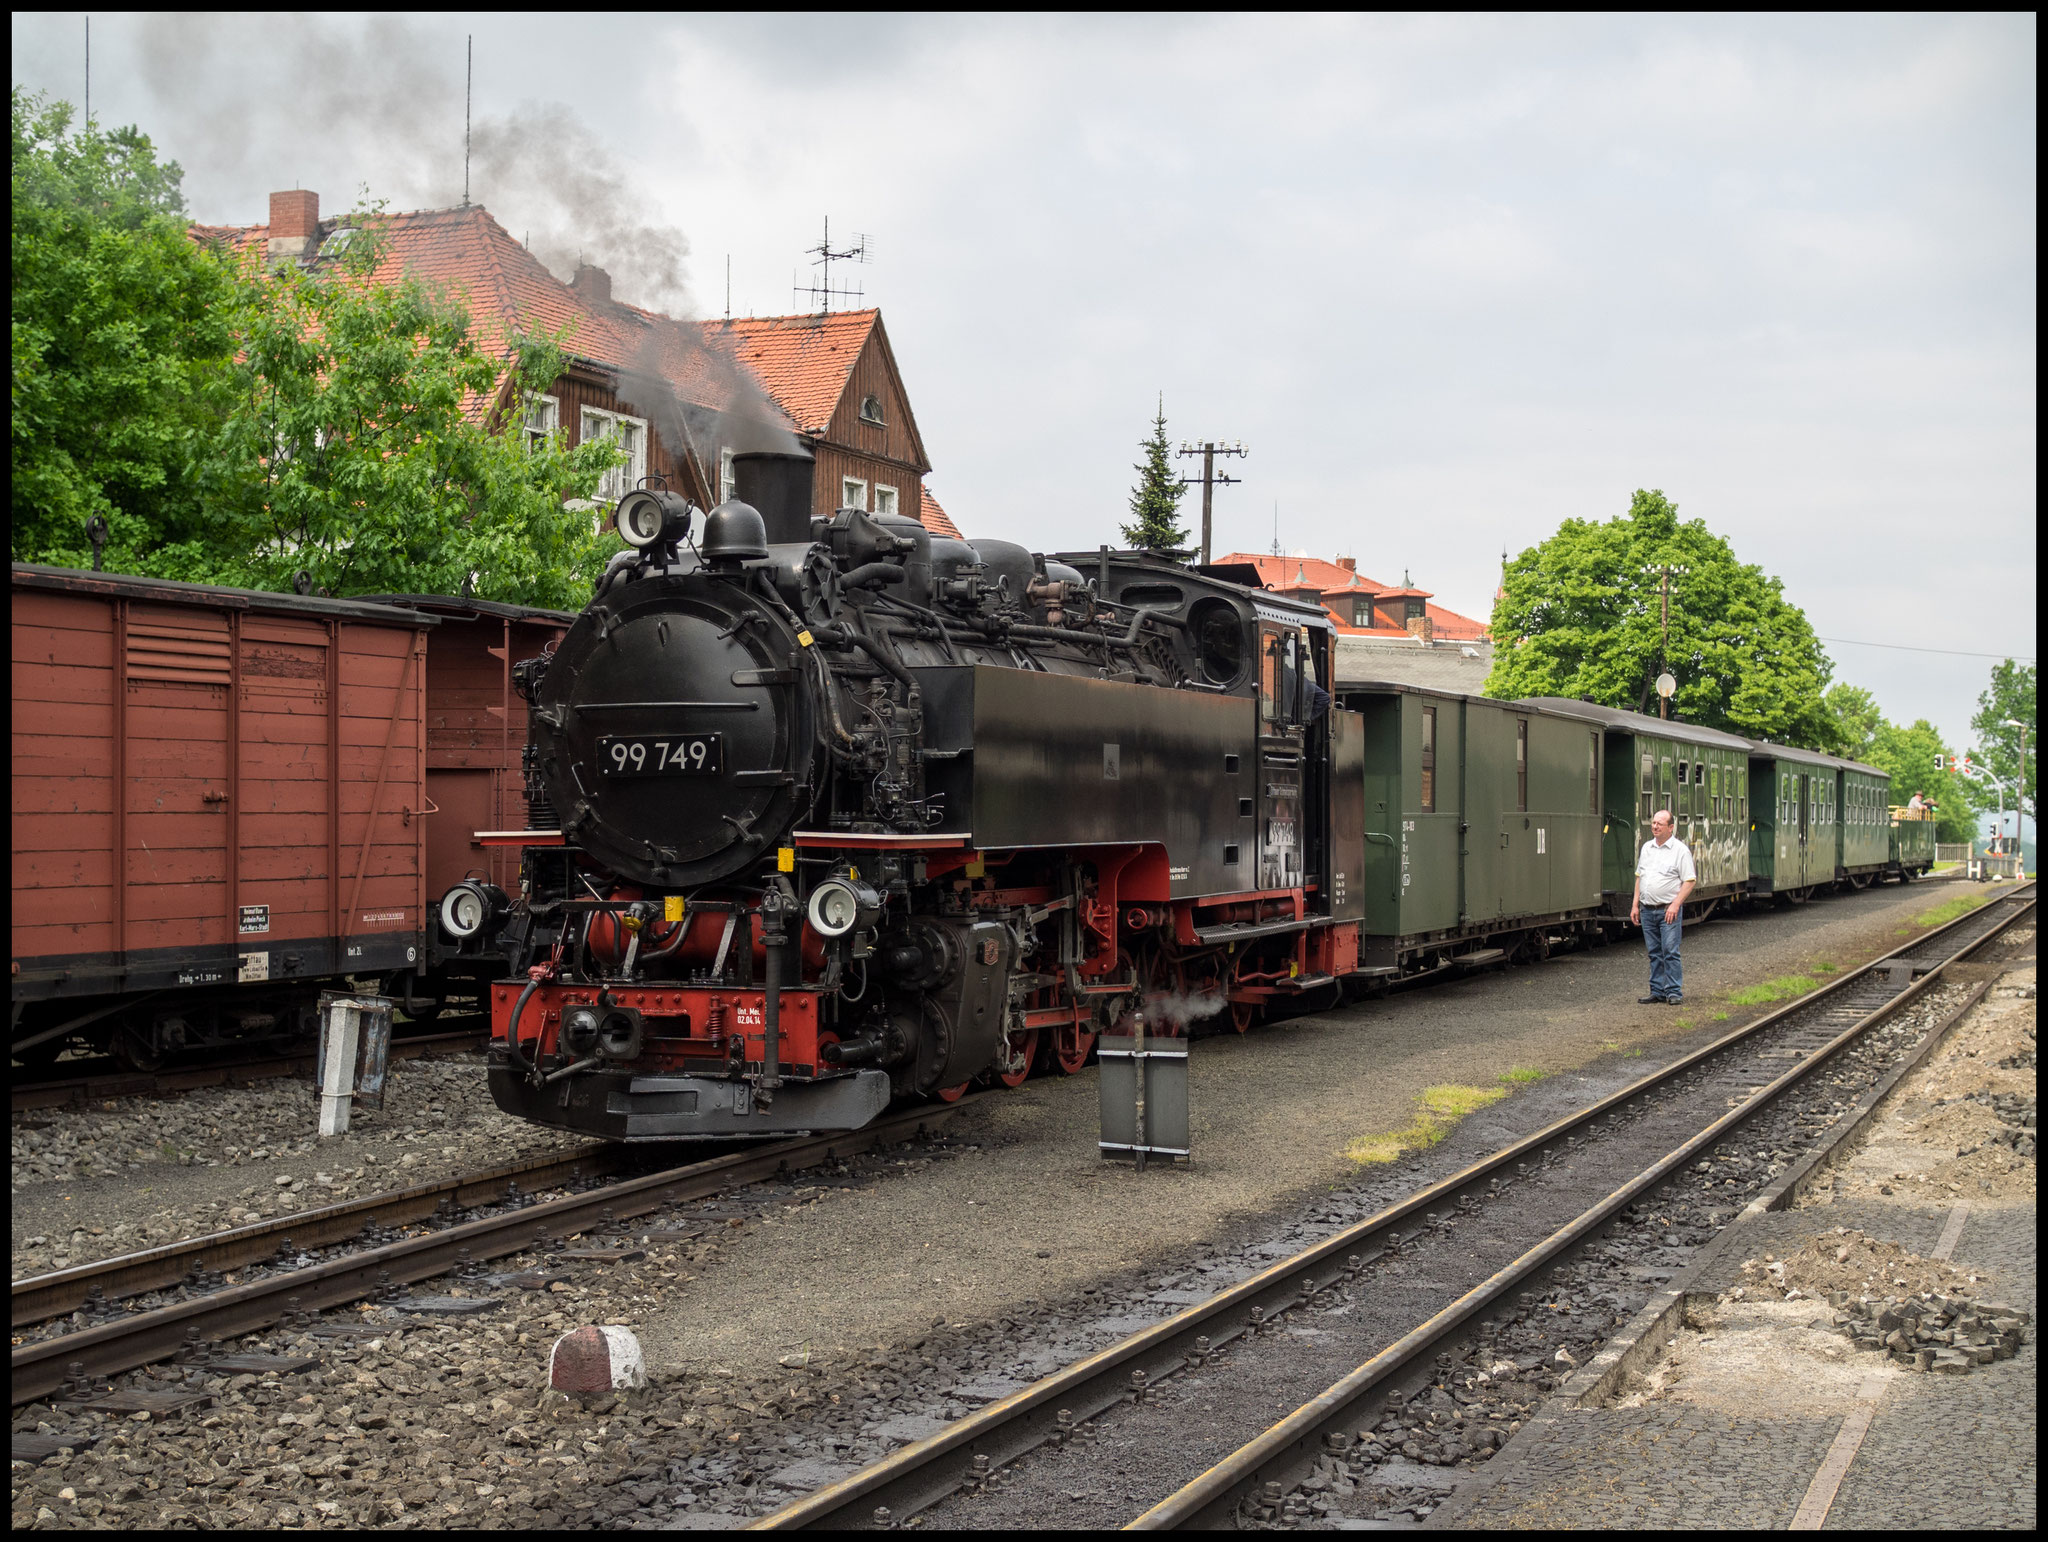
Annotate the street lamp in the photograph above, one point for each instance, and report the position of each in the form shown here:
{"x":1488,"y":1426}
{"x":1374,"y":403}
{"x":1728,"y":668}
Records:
{"x":2019,"y":797}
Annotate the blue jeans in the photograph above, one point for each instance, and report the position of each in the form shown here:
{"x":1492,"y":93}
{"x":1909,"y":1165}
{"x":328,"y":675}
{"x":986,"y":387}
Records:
{"x":1667,"y":975}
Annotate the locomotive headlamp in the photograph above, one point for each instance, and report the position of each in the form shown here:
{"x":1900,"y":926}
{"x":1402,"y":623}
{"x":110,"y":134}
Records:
{"x":470,"y":906}
{"x":838,"y":905}
{"x":648,"y":517}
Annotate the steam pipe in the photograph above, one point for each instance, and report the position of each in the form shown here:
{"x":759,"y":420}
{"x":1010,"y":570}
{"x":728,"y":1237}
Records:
{"x":847,"y":637}
{"x":512,"y":1028}
{"x":873,"y":575}
{"x":776,"y":937}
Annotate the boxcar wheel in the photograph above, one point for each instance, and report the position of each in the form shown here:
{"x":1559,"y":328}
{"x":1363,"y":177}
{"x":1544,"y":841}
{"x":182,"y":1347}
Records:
{"x":136,"y":1052}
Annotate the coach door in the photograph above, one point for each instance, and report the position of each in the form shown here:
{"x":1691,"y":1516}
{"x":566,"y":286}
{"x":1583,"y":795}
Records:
{"x":1805,"y":864}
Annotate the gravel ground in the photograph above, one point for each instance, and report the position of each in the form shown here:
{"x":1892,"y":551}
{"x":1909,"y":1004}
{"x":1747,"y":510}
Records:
{"x":937,"y":1263}
{"x":134,"y":1173}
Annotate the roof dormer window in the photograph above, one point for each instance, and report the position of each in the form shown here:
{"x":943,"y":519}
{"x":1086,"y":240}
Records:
{"x":871,"y":409}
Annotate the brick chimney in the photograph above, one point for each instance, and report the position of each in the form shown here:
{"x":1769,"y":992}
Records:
{"x":593,"y":284}
{"x":294,"y":224}
{"x":1422,"y":629}
{"x":1348,"y":564}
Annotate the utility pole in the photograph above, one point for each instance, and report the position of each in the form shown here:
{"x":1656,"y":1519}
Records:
{"x":1210,"y":480}
{"x":1664,"y":649}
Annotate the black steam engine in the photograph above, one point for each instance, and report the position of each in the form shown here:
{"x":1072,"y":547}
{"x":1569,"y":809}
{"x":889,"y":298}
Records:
{"x":826,"y":812}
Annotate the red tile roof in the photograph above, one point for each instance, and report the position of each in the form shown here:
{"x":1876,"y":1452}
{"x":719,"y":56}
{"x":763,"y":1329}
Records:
{"x":804,"y":361}
{"x":933,"y":518}
{"x":1331,"y":581}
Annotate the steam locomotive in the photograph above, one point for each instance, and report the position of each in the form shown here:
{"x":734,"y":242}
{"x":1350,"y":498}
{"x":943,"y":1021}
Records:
{"x":826,"y":812}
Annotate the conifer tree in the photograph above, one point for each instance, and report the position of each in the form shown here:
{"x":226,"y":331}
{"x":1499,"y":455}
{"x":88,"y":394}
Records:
{"x":1155,"y":501}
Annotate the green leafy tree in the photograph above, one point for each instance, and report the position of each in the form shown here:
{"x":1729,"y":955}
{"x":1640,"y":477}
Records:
{"x":363,"y":447}
{"x":1857,"y":718}
{"x":1580,"y":616}
{"x":122,"y":332}
{"x":1155,"y":501}
{"x":2009,"y":699}
{"x":1909,"y":755}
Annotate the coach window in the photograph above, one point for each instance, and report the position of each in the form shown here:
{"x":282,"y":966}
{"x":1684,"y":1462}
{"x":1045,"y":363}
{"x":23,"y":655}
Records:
{"x":1522,"y":765}
{"x":1429,"y":760}
{"x":1592,"y":773}
{"x":1649,"y":791}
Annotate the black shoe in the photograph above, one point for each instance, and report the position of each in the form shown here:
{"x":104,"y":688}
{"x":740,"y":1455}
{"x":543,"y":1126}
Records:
{"x":1650,"y":1001}
{"x":1674,"y":1001}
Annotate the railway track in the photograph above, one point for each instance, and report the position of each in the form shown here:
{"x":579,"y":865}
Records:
{"x":1718,"y":1088}
{"x":44,"y":1366}
{"x":29,"y":1091}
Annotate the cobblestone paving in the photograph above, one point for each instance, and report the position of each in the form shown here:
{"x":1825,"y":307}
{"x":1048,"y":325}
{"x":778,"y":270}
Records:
{"x":1666,"y":1465}
{"x":1958,"y":1451}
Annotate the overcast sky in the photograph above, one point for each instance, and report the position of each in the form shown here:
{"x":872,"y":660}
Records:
{"x":1451,"y":280}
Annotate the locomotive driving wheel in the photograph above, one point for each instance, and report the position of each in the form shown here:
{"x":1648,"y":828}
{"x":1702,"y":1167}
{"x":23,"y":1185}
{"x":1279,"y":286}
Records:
{"x":951,"y":1094}
{"x":1071,"y":1046}
{"x":1242,"y":1013}
{"x":1026,"y":1045}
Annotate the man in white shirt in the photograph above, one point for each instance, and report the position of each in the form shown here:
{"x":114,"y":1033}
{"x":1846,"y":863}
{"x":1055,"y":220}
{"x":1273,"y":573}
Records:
{"x":1665,"y":875}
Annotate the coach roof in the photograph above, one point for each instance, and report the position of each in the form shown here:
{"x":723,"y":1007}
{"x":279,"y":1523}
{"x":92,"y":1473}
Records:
{"x":1637,"y":723}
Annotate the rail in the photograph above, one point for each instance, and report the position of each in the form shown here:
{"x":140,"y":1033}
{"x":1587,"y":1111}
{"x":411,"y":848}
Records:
{"x":926,"y":1471}
{"x":44,"y":1366}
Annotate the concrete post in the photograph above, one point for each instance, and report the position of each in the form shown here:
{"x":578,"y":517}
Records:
{"x":340,"y":1029}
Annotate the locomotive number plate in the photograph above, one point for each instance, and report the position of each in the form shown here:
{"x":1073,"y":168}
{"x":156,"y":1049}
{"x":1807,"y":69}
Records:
{"x":648,"y":755}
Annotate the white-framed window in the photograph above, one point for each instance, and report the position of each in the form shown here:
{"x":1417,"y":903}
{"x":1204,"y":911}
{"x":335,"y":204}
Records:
{"x":885,"y":500}
{"x":631,"y":435}
{"x":726,"y":481}
{"x":543,"y":417}
{"x":853,"y":494}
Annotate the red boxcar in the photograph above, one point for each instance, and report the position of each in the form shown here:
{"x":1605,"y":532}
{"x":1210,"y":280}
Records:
{"x":476,"y":747}
{"x":210,"y":786}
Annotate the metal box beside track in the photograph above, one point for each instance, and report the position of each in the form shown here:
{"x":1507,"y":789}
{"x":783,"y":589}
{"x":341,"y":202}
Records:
{"x":211,"y":786}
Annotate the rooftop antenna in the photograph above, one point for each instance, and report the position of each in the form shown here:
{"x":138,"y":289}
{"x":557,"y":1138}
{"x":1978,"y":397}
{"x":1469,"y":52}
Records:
{"x":823,"y":256}
{"x":468,"y":91}
{"x":728,"y":288}
{"x":1276,"y":527}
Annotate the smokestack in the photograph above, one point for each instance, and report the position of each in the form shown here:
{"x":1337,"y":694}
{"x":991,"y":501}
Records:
{"x":593,"y":284}
{"x":778,"y":483}
{"x":294,"y":224}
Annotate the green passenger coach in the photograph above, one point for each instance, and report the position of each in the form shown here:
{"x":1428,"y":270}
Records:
{"x":1482,"y":826}
{"x":1794,"y":841}
{"x":1700,"y":774}
{"x":1864,"y":846}
{"x":1910,"y":843}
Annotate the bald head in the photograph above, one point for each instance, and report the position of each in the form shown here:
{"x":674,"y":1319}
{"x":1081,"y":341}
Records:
{"x":1662,"y":824}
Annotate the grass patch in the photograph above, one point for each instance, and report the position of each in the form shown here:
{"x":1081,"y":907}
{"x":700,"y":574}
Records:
{"x":1783,"y":988}
{"x":1685,"y":1022}
{"x":1961,"y":905}
{"x":1442,"y":1107}
{"x":1826,"y":968}
{"x":1720,"y":1017}
{"x":1524,"y":1073}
